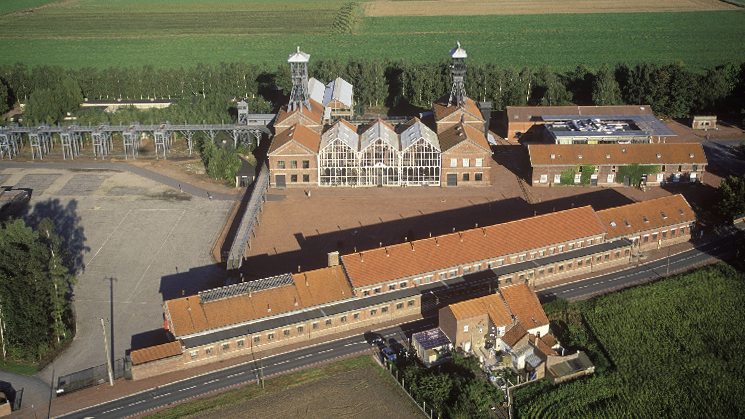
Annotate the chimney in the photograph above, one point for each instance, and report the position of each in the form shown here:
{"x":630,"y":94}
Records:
{"x":333,"y":258}
{"x":485,"y":108}
{"x":361,"y":259}
{"x":306,"y":279}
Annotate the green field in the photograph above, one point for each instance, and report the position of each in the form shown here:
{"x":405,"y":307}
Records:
{"x":180,"y":33}
{"x":9,"y":6}
{"x":666,"y":350}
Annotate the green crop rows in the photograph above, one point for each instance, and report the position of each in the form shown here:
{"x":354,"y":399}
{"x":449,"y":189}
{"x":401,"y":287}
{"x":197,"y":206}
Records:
{"x":180,"y":33}
{"x":19,"y":5}
{"x":673,"y":348}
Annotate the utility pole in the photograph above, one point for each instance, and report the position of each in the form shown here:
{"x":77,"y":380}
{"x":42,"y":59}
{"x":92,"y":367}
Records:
{"x":108,"y":357}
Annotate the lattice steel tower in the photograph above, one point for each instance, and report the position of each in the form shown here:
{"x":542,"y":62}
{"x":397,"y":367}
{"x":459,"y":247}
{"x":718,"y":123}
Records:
{"x":458,"y":73}
{"x":299,"y":96}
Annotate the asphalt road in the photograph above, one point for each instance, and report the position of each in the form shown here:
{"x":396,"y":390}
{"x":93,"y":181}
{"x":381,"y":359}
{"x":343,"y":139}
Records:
{"x":249,"y":373}
{"x":243,"y":374}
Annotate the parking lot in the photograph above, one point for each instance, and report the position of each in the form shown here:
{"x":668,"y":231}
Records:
{"x":138,"y":242}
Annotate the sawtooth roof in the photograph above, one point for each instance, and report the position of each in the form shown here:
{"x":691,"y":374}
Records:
{"x":339,"y":90}
{"x":460,"y":133}
{"x":316,"y":89}
{"x":300,"y":134}
{"x":646,"y":215}
{"x":616,"y":154}
{"x":440,"y":253}
{"x":189,"y":315}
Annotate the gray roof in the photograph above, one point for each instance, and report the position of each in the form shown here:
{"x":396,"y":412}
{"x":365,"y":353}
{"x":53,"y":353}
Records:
{"x":379,"y":130}
{"x":458,"y":52}
{"x":340,"y":90}
{"x":316,"y":89}
{"x":298,"y":57}
{"x":343,"y":133}
{"x":432,"y":338}
{"x":416,"y":131}
{"x":647,"y":124}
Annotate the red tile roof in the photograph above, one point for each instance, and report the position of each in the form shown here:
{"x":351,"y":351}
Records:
{"x":460,"y":133}
{"x":530,"y":113}
{"x":315,"y":113}
{"x":154,"y":353}
{"x":616,"y":154}
{"x":492,"y":304}
{"x":440,"y":253}
{"x":299,"y":134}
{"x":647,"y":215}
{"x":514,"y":335}
{"x":524,"y":304}
{"x":442,"y":110}
{"x":189,"y":315}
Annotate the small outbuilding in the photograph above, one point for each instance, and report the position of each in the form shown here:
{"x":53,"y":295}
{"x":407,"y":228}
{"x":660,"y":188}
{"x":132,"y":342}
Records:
{"x":704,"y":122}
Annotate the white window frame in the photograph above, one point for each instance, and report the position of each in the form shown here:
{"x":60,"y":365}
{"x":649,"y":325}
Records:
{"x":479,"y":163}
{"x":466,"y":162}
{"x":453,"y":162}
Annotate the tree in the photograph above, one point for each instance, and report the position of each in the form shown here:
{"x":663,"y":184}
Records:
{"x":4,"y":97}
{"x":34,"y":288}
{"x":579,"y":84}
{"x":551,"y":90}
{"x":732,"y":197}
{"x":605,"y":89}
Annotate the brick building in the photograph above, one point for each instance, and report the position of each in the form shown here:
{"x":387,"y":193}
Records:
{"x":525,"y":124}
{"x":650,"y":224}
{"x":293,"y":157}
{"x":310,"y":117}
{"x":466,"y":156}
{"x":447,"y":116}
{"x":672,"y":162}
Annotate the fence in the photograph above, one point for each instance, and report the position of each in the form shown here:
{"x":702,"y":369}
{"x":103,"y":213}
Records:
{"x":89,"y":377}
{"x":428,"y":412}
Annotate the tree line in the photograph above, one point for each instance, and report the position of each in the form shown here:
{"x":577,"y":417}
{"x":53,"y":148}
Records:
{"x":671,"y":90}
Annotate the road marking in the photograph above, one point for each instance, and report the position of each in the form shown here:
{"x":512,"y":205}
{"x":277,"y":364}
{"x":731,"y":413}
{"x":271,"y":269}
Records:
{"x":327,"y":350}
{"x":117,"y":408}
{"x":135,"y":403}
{"x":304,"y":356}
{"x":351,"y":343}
{"x":213,"y":381}
{"x":188,"y":388}
{"x":283,"y":362}
{"x":236,"y":374}
{"x":162,"y":395}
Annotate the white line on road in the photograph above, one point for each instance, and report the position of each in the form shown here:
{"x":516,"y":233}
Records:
{"x":213,"y":381}
{"x":327,"y":350}
{"x":304,"y":356}
{"x":351,"y":343}
{"x":236,"y":374}
{"x":136,"y":403}
{"x":188,"y":388}
{"x":117,"y":408}
{"x":162,"y":395}
{"x":283,"y":362}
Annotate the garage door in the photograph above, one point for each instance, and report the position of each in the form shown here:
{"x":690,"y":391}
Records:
{"x":452,"y":179}
{"x":280,"y":181}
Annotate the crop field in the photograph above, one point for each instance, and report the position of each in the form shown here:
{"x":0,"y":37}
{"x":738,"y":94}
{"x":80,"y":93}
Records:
{"x":181,"y":33}
{"x":672,"y":349}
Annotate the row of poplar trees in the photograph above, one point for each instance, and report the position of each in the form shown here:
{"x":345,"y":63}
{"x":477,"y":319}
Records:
{"x":35,"y":290}
{"x":670,"y":89}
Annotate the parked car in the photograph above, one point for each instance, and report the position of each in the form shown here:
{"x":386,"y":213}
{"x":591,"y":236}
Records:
{"x":374,"y":339}
{"x":389,"y":354}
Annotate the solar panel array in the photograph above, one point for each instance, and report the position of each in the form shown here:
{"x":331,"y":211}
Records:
{"x":432,"y":338}
{"x":245,"y":288}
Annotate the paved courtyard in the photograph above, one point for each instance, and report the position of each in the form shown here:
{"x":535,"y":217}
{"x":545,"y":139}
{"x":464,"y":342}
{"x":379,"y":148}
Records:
{"x":140,"y":242}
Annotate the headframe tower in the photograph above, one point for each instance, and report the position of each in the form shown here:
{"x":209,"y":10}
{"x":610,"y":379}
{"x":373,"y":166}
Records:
{"x":299,"y":96}
{"x":458,"y":73}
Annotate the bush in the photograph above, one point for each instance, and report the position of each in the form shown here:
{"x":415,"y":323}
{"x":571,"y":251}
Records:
{"x":635,"y":172}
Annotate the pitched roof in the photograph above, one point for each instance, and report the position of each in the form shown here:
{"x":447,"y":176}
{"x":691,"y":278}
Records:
{"x":379,"y":130}
{"x":414,"y":130}
{"x":443,"y":252}
{"x":533,"y":113}
{"x":460,"y":133}
{"x":616,"y":154}
{"x":343,"y":131}
{"x":315,"y":113}
{"x":299,"y":134}
{"x":646,"y":215}
{"x":524,"y":305}
{"x":549,"y":340}
{"x":442,"y":110}
{"x":190,"y":315}
{"x":340,"y":90}
{"x":316,"y":89}
{"x":156,"y":352}
{"x":513,"y":336}
{"x":492,"y":305}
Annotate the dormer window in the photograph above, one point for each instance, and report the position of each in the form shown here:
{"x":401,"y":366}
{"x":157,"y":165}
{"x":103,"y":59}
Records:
{"x":690,"y":155}
{"x":607,"y":156}
{"x":553,"y":156}
{"x":612,"y":223}
{"x":627,"y":224}
{"x":681,"y":211}
{"x":659,"y":155}
{"x":663,"y":215}
{"x":623,"y":150}
{"x":579,"y":155}
{"x":645,"y":219}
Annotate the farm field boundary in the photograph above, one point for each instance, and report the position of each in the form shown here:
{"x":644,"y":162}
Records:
{"x":701,"y":40}
{"x":535,"y":7}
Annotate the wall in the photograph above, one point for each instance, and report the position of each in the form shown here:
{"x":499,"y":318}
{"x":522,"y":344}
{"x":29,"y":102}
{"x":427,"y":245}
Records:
{"x":668,"y":172}
{"x":288,"y":154}
{"x":467,"y":150}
